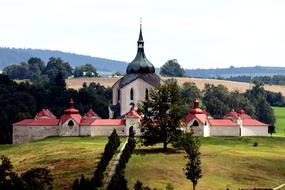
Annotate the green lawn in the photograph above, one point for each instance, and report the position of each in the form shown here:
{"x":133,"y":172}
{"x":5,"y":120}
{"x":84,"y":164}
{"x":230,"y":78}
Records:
{"x":66,"y":157}
{"x":280,"y":121}
{"x":232,"y":161}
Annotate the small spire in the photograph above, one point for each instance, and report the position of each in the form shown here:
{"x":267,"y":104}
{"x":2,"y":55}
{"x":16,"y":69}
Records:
{"x":140,"y":36}
{"x":71,"y":103}
{"x":196,"y":103}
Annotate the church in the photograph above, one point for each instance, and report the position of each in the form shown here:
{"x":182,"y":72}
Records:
{"x":128,"y":91}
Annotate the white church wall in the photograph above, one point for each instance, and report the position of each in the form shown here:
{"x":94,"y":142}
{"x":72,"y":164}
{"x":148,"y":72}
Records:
{"x":115,"y":93}
{"x":224,"y":131}
{"x":23,"y":134}
{"x":254,"y":131}
{"x":139,"y":86}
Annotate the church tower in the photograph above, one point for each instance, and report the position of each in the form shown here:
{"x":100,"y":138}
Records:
{"x":135,"y":86}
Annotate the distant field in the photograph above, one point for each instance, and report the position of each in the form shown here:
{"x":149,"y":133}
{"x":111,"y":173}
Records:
{"x":225,"y":161}
{"x":240,"y":86}
{"x":66,"y":157}
{"x":280,"y":121}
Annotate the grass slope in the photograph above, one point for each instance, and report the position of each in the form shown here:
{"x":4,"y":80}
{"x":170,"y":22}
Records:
{"x":66,"y":157}
{"x":280,"y":121}
{"x":232,"y":161}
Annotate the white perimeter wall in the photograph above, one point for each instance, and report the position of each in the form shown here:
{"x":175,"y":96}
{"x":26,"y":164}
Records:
{"x":224,"y":131}
{"x":254,"y":131}
{"x":23,"y":134}
{"x":107,"y":130}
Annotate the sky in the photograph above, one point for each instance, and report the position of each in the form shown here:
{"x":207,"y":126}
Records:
{"x":198,"y":33}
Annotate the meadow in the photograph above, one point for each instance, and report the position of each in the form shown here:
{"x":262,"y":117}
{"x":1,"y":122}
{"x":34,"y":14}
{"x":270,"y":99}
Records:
{"x":76,"y":83}
{"x":280,"y":121}
{"x":66,"y":157}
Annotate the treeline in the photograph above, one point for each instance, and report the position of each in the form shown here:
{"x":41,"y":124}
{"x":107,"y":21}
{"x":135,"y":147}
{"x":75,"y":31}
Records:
{"x":38,"y":72}
{"x":271,"y":80}
{"x":23,"y":100}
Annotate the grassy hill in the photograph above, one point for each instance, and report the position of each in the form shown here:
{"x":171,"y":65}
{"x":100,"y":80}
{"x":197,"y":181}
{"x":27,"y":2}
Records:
{"x":225,"y":160}
{"x":66,"y":157}
{"x":233,"y":161}
{"x":240,"y":86}
{"x":280,"y":122}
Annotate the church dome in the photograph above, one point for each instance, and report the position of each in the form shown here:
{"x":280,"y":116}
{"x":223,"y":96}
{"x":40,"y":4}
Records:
{"x":140,"y":64}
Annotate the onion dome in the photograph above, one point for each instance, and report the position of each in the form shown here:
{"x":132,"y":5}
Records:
{"x":140,"y":65}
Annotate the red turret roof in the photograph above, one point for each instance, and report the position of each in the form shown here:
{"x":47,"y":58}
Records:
{"x":71,"y":113}
{"x":91,"y":115}
{"x":197,"y":113}
{"x":132,"y":113}
{"x":243,"y":115}
{"x":45,"y":114}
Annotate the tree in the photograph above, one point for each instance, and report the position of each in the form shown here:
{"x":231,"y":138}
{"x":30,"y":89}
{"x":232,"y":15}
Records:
{"x":86,"y":70}
{"x":162,"y":112}
{"x":57,"y":65}
{"x":271,"y":129}
{"x":191,"y":146}
{"x":172,"y":69}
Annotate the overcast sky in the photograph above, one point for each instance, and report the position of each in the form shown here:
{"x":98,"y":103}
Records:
{"x":198,"y":33}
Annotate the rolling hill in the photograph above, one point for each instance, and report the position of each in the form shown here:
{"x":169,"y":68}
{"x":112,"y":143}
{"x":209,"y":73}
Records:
{"x":10,"y":56}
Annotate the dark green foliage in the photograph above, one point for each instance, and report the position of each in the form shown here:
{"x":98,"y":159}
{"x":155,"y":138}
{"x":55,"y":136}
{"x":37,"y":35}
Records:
{"x":255,"y":144}
{"x":271,"y":129}
{"x":24,"y":100}
{"x":86,"y":70}
{"x":163,"y":112}
{"x":138,"y":185}
{"x":55,"y":66}
{"x":38,"y":179}
{"x":97,"y":180}
{"x":191,"y":146}
{"x":172,"y":69}
{"x":34,"y":179}
{"x":118,"y":180}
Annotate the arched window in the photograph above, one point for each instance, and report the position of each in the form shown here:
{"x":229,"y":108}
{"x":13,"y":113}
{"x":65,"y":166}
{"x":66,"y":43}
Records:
{"x":195,"y":123}
{"x":146,"y":94}
{"x":132,"y":94}
{"x":70,"y":124}
{"x":119,"y":95}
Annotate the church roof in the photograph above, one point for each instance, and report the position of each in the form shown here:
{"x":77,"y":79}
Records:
{"x":91,"y":115}
{"x":197,"y":113}
{"x":140,"y":64}
{"x":150,"y":78}
{"x":222,"y":122}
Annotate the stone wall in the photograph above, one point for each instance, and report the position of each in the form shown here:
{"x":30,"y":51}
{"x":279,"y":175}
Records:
{"x":68,"y":130}
{"x":254,"y":131}
{"x":107,"y":130}
{"x":23,"y":134}
{"x":224,"y":131}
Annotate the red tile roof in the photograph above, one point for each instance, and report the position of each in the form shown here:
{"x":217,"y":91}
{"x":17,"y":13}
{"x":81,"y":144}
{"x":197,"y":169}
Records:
{"x":76,"y":117}
{"x":87,"y":122}
{"x":222,"y":122}
{"x":41,"y":122}
{"x":108,"y":122}
{"x":253,"y":122}
{"x":232,"y":114}
{"x":243,"y":115}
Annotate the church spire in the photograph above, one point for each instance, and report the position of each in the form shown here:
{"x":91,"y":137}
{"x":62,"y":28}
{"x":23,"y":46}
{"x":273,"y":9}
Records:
{"x":140,"y":41}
